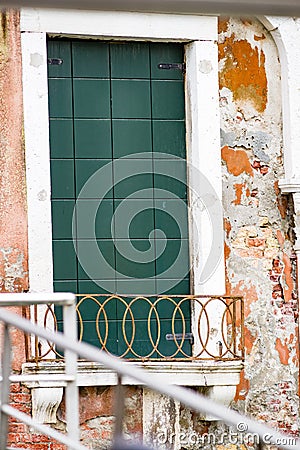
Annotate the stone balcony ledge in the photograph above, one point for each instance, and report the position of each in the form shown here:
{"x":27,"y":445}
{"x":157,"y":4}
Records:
{"x":185,"y":373}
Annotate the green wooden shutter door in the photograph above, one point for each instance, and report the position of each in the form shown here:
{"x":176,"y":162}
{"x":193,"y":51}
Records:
{"x":107,"y":101}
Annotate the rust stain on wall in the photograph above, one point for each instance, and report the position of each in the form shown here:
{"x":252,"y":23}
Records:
{"x":227,"y":226}
{"x":236,"y":161}
{"x":248,"y":292}
{"x":240,"y":189}
{"x":243,"y":71}
{"x":282,"y":202}
{"x":259,"y":38}
{"x":280,"y":238}
{"x":283,"y":351}
{"x":238,"y":193}
{"x":288,"y":279}
{"x":223,"y":24}
{"x":249,"y":340}
{"x":242,"y":388}
{"x":296,"y":357}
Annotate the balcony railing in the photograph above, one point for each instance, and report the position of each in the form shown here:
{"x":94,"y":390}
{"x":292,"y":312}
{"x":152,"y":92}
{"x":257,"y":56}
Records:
{"x":161,"y":328}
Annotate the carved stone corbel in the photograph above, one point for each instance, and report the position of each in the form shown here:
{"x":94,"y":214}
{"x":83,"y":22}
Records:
{"x":45,"y":403}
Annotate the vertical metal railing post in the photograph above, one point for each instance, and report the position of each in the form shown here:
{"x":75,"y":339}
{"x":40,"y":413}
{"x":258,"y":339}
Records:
{"x":5,"y":388}
{"x":72,"y":397}
{"x":234,"y":322}
{"x":119,"y":411}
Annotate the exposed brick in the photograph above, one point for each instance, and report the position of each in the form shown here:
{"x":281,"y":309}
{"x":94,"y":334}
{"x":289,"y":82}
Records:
{"x":54,"y":446}
{"x":20,"y":398}
{"x":256,"y":242}
{"x":17,"y":428}
{"x":15,"y":387}
{"x":14,"y":437}
{"x":41,"y":446}
{"x":22,"y":407}
{"x":40,"y":438}
{"x":95,"y":402}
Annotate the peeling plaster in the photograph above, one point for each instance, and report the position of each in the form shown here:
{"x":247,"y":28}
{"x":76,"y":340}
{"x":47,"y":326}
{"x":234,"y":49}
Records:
{"x":14,"y":273}
{"x":236,"y":161}
{"x":257,"y":141}
{"x":13,"y":210}
{"x":260,"y":261}
{"x":242,"y":70}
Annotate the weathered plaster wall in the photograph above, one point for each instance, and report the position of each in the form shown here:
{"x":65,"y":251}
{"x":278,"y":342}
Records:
{"x":13,"y":215}
{"x":260,"y":262}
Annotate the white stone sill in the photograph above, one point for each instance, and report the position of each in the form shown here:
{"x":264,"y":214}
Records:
{"x":190,"y":373}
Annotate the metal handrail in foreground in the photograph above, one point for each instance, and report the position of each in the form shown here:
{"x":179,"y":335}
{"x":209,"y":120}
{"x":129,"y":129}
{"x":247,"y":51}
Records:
{"x":187,"y":397}
{"x":68,"y":303}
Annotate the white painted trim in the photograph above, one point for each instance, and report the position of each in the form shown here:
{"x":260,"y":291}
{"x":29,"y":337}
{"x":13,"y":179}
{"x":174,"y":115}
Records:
{"x":203,"y":114}
{"x":122,"y":25}
{"x":204,"y":158}
{"x":35,"y":100}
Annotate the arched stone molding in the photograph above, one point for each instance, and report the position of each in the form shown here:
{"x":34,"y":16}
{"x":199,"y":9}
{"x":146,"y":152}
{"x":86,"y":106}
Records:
{"x":286,"y":34}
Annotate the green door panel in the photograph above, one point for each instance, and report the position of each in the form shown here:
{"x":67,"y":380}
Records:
{"x":167,"y":100}
{"x":92,"y":138}
{"x":65,"y":267}
{"x":59,"y":49}
{"x":60,"y":97}
{"x":91,"y":99}
{"x":85,"y":168}
{"x":131,"y":137}
{"x":130,"y":60}
{"x":62,"y":213}
{"x":138,"y":213}
{"x":133,"y":178}
{"x":166,"y":53}
{"x":170,"y":178}
{"x":101,"y":226}
{"x":61,"y":138}
{"x":171,"y":216}
{"x":169,"y":138}
{"x":109,"y":100}
{"x":96,"y":268}
{"x":62,"y":178}
{"x":90,"y":59}
{"x":131,"y":99}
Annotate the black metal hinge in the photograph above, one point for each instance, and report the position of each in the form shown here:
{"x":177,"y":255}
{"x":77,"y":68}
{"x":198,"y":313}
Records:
{"x":179,"y":337}
{"x":55,"y":61}
{"x":170,"y":66}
